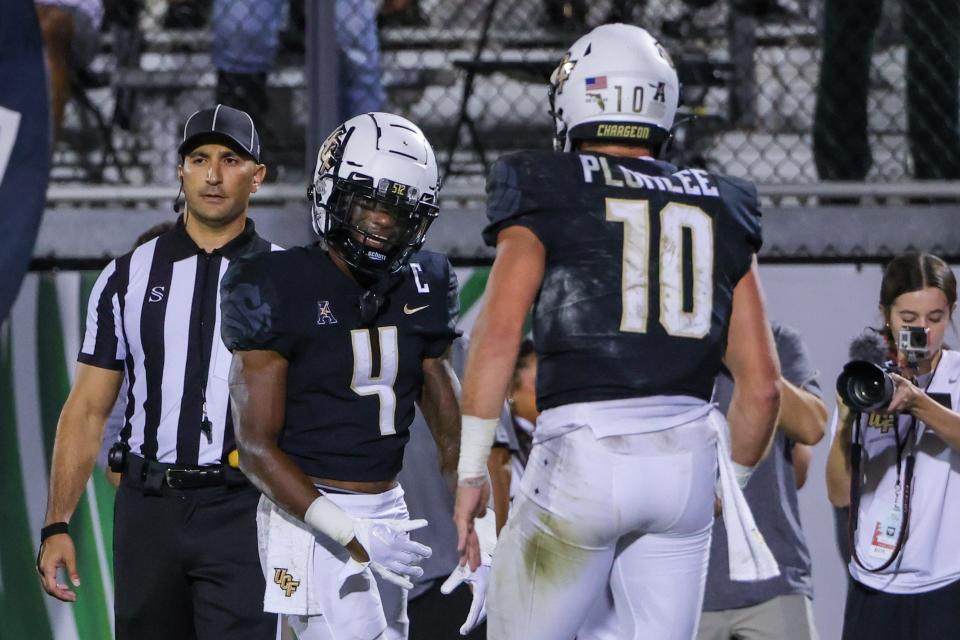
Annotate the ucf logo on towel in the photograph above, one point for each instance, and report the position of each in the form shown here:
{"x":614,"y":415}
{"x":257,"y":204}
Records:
{"x":285,"y":580}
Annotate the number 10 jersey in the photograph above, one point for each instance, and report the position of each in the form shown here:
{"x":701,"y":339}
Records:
{"x":641,"y":262}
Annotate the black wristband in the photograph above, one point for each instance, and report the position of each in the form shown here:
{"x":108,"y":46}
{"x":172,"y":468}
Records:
{"x":53,"y":529}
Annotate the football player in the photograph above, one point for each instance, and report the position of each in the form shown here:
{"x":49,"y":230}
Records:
{"x":642,"y":280}
{"x":333,"y":344}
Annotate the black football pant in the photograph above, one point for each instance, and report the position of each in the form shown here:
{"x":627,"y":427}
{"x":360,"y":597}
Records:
{"x":186,"y":564}
{"x":872,"y":615}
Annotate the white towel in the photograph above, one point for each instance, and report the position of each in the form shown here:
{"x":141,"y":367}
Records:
{"x":749,"y":556}
{"x":286,"y":556}
{"x":309,"y":574}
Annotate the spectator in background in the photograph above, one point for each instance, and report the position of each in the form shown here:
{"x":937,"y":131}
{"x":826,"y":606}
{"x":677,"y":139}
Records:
{"x":568,"y":15}
{"x":778,"y":608}
{"x":70,"y":37}
{"x":401,"y":13}
{"x":514,"y":438}
{"x":186,"y":14}
{"x":245,"y":42}
{"x":932,"y":31}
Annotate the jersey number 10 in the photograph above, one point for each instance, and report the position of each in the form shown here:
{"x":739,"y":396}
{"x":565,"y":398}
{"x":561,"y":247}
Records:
{"x":365,"y":383}
{"x":683,"y":312}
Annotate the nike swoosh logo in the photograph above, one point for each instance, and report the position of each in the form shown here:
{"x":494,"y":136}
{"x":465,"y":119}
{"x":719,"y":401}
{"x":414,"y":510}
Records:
{"x":407,"y":310}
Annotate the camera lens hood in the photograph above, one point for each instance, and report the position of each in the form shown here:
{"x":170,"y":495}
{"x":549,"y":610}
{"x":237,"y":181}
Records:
{"x":864,"y":386}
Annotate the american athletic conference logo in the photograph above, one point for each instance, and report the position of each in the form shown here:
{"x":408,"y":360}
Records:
{"x":324,"y":314}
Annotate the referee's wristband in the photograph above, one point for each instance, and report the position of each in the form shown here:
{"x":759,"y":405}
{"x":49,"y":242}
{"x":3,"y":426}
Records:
{"x":476,"y":439}
{"x":52,"y":529}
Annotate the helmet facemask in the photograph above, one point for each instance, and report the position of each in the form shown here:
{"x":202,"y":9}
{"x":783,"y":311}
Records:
{"x":375,"y":230}
{"x":374,"y":193}
{"x":557,"y":79}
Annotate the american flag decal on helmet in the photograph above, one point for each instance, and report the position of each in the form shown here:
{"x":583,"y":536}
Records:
{"x":599,"y":82}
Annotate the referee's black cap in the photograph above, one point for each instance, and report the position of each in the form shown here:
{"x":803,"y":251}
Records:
{"x":221,"y":124}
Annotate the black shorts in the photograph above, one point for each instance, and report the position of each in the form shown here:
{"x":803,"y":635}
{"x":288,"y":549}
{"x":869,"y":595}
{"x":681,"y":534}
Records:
{"x":872,"y":614}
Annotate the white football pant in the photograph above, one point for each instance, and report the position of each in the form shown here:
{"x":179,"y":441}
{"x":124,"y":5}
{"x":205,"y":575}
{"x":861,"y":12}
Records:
{"x":625,"y":518}
{"x":365,"y":607}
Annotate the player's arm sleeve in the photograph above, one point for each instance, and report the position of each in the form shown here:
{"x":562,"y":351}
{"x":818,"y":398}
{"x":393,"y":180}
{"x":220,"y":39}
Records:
{"x":512,"y":199}
{"x":795,"y":363}
{"x":439,"y":344}
{"x":251,"y":313}
{"x":104,"y":344}
{"x":745,"y":228}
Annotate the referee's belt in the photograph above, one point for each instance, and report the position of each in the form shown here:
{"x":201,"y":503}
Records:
{"x":152,"y":476}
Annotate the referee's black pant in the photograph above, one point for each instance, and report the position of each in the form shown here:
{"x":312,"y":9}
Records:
{"x":186,"y":564}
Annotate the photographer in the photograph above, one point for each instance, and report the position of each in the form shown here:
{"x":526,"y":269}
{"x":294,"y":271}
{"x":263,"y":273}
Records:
{"x":903,"y":457}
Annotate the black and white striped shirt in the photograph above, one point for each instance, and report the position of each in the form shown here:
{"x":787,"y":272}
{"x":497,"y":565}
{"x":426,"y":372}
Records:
{"x":154,"y":313}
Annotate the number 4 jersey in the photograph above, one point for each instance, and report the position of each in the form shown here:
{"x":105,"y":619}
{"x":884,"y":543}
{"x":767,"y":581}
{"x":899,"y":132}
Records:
{"x":350,"y":389}
{"x":641,"y":262}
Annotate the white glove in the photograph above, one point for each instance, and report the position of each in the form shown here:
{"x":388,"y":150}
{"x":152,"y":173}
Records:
{"x":478,"y":584}
{"x":393,"y":556}
{"x":479,"y":579}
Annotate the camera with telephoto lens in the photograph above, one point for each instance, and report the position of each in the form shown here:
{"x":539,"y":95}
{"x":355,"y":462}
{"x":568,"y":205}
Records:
{"x":865,"y":386}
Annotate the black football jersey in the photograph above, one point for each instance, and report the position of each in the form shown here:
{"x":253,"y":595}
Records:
{"x":641,"y":262}
{"x":350,"y":389}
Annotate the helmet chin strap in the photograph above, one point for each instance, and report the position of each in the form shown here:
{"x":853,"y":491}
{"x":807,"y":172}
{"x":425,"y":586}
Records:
{"x":665,"y":147}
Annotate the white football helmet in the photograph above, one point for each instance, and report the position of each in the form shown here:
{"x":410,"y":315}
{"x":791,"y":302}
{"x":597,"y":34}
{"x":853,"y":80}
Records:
{"x":617,"y":84}
{"x":381,"y":162}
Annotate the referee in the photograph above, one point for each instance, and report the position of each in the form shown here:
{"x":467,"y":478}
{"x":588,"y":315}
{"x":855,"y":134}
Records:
{"x":185,"y":538}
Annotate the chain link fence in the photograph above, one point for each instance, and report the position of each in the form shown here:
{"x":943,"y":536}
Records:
{"x":781,"y":91}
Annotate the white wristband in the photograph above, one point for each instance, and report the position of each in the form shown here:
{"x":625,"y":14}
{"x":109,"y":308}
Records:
{"x":742,"y":474}
{"x":476,"y":439}
{"x":329,"y":519}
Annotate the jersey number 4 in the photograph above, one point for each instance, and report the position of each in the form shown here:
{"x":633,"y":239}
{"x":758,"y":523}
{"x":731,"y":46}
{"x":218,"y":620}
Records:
{"x":686,"y":237}
{"x":370,"y":382}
